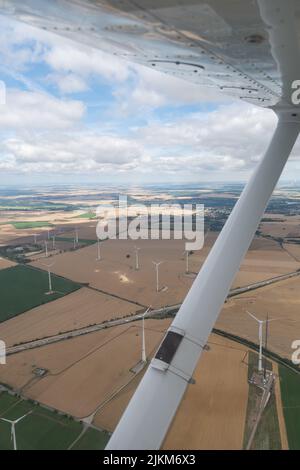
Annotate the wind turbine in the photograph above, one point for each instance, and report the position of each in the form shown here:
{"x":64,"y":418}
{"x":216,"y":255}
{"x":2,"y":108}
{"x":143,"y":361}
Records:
{"x":13,"y":424}
{"x":260,"y":336}
{"x":48,"y":266}
{"x":53,"y":241}
{"x":156,"y":264}
{"x":34,"y":238}
{"x":76,"y":235}
{"x":144,"y":357}
{"x":46,"y":248}
{"x":187,"y":253}
{"x":98,"y":250}
{"x":136,"y":250}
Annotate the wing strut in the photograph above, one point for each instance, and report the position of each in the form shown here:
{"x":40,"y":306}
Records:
{"x":149,"y":414}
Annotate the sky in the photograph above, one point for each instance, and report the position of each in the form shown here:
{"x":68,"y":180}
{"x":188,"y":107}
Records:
{"x":74,"y":114}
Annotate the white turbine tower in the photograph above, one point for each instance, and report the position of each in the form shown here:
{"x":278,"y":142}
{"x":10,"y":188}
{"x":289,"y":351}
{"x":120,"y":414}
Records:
{"x":144,"y":357}
{"x":136,"y":250}
{"x":13,"y":424}
{"x":34,"y":238}
{"x":187,"y":254}
{"x":156,"y":264}
{"x":260,"y":336}
{"x":76,"y":235}
{"x":48,"y":266}
{"x":53,"y":241}
{"x":98,"y":250}
{"x":46,"y":249}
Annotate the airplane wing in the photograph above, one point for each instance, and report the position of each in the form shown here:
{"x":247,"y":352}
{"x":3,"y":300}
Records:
{"x":222,"y":44}
{"x":246,"y":48}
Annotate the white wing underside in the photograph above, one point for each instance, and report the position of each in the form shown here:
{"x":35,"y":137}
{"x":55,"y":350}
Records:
{"x":221,"y":44}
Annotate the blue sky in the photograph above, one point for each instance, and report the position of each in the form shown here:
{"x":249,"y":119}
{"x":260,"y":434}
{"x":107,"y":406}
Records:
{"x":76,"y":114}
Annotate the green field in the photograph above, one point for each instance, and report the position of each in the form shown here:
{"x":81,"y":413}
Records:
{"x":290,"y":393}
{"x":81,"y":241}
{"x":92,"y":439}
{"x":86,"y":215}
{"x":267,"y":436}
{"x":23,"y":287}
{"x":43,"y":429}
{"x":26,"y":225}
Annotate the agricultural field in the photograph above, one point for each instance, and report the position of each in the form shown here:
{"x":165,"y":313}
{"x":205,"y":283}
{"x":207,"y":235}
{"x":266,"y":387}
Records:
{"x":86,"y":215}
{"x":84,"y":371}
{"x":267,"y":435}
{"x":281,"y":301}
{"x":43,"y":429}
{"x":27,"y":225}
{"x":23,"y":288}
{"x":73,"y":385}
{"x":290,"y":393}
{"x":213,"y":411}
{"x":81,"y":308}
{"x":279,"y":226}
{"x":6,"y":263}
{"x":81,"y":241}
{"x":116,"y":273}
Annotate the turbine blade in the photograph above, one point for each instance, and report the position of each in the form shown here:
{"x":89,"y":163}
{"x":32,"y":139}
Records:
{"x":6,"y":420}
{"x":24,"y":416}
{"x":253,"y":316}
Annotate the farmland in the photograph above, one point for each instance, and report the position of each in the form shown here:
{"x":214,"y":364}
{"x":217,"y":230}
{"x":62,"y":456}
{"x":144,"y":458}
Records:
{"x":22,"y":288}
{"x":80,"y":308}
{"x":43,"y":429}
{"x":213,"y":411}
{"x":116,"y":272}
{"x":27,"y":225}
{"x":93,"y":376}
{"x":76,"y":365}
{"x":5,"y":263}
{"x":290,"y":393}
{"x":280,"y":301}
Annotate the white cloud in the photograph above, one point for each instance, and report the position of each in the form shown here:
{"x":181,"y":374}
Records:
{"x":51,"y":134}
{"x":36,"y":110}
{"x":171,"y":90}
{"x":75,"y":152}
{"x":67,"y":56}
{"x":68,"y":83}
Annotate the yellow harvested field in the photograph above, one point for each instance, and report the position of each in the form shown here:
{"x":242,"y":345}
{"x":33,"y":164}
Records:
{"x":109,"y":416}
{"x":293,"y":249}
{"x":6,"y":263}
{"x":116,"y":272}
{"x":84,"y":374}
{"x":84,"y":371}
{"x":285,"y":226}
{"x":81,"y":308}
{"x":59,"y":220}
{"x":86,"y":230}
{"x":213,"y":412}
{"x":281,"y":301}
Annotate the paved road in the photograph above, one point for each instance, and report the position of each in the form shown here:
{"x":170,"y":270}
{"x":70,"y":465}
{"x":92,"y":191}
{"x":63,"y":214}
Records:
{"x":121,"y":321}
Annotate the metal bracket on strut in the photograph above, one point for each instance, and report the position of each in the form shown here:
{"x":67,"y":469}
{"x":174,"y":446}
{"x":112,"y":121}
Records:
{"x":165,"y":354}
